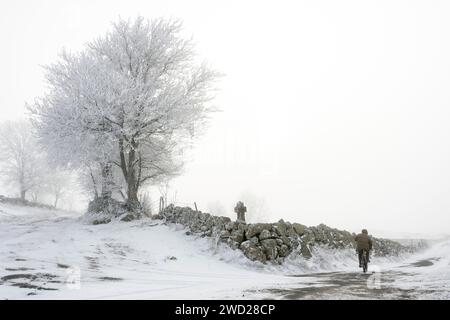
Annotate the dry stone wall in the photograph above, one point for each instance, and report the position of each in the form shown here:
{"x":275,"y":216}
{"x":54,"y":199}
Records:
{"x":271,"y":241}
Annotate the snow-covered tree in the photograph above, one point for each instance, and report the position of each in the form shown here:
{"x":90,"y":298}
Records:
{"x":21,"y":161}
{"x":92,"y":182}
{"x":131,"y":99}
{"x":70,"y":119}
{"x":57,"y":184}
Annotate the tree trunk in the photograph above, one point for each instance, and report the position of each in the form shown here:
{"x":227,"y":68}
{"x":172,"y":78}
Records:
{"x":129,"y":173}
{"x":23,"y":190}
{"x":107,"y":181}
{"x":94,"y":184}
{"x":132,"y":201}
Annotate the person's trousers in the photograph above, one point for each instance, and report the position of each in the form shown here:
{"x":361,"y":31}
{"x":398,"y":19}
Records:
{"x":360,"y":253}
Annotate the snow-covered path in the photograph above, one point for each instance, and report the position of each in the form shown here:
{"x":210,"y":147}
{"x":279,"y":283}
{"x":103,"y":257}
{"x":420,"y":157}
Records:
{"x":47,"y":254}
{"x":43,"y":253}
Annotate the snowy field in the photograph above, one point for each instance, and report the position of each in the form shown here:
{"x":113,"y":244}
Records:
{"x":51,"y":254}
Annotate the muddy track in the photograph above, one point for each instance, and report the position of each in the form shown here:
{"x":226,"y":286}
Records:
{"x":346,"y":285}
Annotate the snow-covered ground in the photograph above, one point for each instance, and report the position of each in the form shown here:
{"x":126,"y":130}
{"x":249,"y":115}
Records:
{"x":51,"y":254}
{"x":44,"y":249}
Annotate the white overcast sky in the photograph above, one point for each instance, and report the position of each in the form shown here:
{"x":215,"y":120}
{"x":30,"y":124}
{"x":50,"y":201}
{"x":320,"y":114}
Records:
{"x":333,"y":111}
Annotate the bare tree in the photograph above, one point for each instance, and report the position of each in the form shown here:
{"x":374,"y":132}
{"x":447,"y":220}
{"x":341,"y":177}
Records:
{"x":35,"y":193}
{"x":21,"y":162}
{"x":164,"y":189}
{"x":57,"y":183}
{"x":146,"y":203}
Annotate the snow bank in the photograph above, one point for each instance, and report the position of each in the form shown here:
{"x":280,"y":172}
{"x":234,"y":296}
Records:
{"x":428,"y":272}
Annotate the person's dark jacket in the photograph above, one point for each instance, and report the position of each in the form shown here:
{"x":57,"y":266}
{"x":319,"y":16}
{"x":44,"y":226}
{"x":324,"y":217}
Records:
{"x":363,"y":241}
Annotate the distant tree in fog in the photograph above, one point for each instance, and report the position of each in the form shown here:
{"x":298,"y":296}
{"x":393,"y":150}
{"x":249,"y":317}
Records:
{"x":165,"y":190}
{"x":57,"y":184}
{"x":21,"y":161}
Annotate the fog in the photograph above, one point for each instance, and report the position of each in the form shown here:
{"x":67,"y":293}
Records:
{"x":332,"y":112}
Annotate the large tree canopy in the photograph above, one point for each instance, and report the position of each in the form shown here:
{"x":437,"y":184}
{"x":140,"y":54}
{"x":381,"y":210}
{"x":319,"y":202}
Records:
{"x":130,"y":100}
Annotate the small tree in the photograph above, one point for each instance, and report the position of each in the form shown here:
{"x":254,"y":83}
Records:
{"x":21,"y":162}
{"x":57,"y":184}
